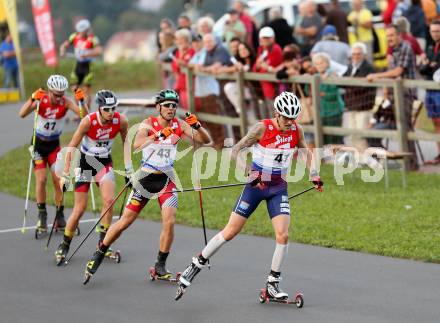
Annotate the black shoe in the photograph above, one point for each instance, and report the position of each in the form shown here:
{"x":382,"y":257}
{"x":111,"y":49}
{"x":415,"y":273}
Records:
{"x":61,"y":222}
{"x":95,"y":262}
{"x":61,"y":253}
{"x":161,"y":271}
{"x":42,"y":221}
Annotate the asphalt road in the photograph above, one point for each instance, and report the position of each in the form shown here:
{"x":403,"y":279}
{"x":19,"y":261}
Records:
{"x":338,"y":286}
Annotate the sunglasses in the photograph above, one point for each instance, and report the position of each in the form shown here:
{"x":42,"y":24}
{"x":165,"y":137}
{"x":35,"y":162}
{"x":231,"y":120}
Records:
{"x":109,"y":109}
{"x":170,"y":105}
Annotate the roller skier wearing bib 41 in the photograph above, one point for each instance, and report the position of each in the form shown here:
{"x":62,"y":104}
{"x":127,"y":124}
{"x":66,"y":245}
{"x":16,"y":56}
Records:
{"x":158,"y":138}
{"x":96,"y":133}
{"x":51,"y":107}
{"x":273,"y":143}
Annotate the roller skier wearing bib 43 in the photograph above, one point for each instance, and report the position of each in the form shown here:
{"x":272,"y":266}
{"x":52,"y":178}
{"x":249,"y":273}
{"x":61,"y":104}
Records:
{"x":158,"y":138}
{"x":51,"y":107}
{"x":96,"y":133}
{"x":273,"y":143}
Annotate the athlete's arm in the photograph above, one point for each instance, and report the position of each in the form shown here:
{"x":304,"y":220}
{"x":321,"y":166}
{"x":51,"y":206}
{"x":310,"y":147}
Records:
{"x":201,"y":135}
{"x":64,"y":47}
{"x":123,"y":132}
{"x":310,"y":160}
{"x":27,"y":108}
{"x":73,"y":107}
{"x":142,"y":139}
{"x":82,"y":129}
{"x":94,"y":52}
{"x":251,"y":138}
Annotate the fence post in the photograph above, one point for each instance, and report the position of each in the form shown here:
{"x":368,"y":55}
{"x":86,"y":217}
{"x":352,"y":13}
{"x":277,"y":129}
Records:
{"x":316,"y":103}
{"x":241,"y":100}
{"x":189,"y":77}
{"x":401,"y":121}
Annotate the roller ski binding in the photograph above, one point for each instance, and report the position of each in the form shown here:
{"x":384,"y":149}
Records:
{"x":61,"y":253}
{"x":158,"y":272}
{"x":113,"y":255}
{"x":272,"y":293}
{"x":93,"y":265}
{"x":187,"y":277}
{"x":41,"y":229}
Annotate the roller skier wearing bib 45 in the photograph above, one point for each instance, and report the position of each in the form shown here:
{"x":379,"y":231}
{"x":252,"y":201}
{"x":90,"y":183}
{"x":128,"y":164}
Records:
{"x":51,"y":108}
{"x":96,"y":133}
{"x":273,"y":143}
{"x":158,"y":138}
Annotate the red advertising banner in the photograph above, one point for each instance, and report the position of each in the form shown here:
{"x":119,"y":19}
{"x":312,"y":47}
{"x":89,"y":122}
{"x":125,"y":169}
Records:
{"x":44,"y":28}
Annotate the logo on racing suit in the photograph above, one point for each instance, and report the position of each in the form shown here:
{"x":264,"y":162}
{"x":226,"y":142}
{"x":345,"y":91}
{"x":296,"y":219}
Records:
{"x":243,"y":205}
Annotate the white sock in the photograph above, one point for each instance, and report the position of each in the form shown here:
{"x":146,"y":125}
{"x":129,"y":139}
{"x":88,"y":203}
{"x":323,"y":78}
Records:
{"x":278,"y":256}
{"x":213,"y":245}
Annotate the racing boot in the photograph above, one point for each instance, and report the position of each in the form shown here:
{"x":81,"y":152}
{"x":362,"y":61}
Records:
{"x":272,"y":287}
{"x":61,"y":222}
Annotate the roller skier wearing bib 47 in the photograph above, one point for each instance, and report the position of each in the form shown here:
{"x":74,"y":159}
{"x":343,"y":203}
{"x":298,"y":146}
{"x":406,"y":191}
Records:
{"x":158,"y":138}
{"x":96,"y":133}
{"x":51,"y":108}
{"x":273,"y":143}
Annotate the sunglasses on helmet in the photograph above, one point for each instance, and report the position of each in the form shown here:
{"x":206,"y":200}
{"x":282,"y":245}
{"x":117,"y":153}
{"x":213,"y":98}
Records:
{"x":170,"y":105}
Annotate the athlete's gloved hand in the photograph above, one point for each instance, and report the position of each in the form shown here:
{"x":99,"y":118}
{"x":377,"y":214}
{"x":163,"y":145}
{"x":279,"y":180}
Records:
{"x":164,"y":133}
{"x":254,"y":178}
{"x":79,"y":95}
{"x":192,"y":120}
{"x":129,"y":172}
{"x":65,"y":182}
{"x":319,"y":185}
{"x":31,"y":151}
{"x":38,"y":95}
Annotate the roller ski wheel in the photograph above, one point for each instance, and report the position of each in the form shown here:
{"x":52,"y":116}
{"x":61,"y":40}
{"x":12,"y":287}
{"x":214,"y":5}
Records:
{"x":169,"y":277}
{"x":264,"y":297}
{"x":113,"y":255}
{"x":61,"y":254}
{"x":40,"y":232}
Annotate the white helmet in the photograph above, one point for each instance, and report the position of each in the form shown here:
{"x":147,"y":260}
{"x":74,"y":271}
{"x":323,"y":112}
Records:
{"x":287,"y":104}
{"x":82,"y":25}
{"x":57,"y":83}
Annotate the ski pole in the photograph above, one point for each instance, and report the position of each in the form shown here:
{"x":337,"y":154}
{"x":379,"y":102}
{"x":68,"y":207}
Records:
{"x":205,"y":188}
{"x":55,"y":218}
{"x":123,"y":203}
{"x":99,"y":220}
{"x":92,"y":194}
{"x":302,"y":192}
{"x":200,"y":185}
{"x":31,"y":165}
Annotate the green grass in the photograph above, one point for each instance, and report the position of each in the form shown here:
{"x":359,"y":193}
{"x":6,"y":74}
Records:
{"x":357,"y":216}
{"x":123,"y":75}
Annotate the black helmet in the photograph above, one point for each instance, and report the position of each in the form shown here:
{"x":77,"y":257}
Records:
{"x":106,"y":98}
{"x":167,"y":95}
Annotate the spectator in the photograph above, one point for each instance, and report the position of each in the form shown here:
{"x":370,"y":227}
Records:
{"x":182,"y":56}
{"x":166,"y":40}
{"x":330,"y":44}
{"x":361,"y":20}
{"x":247,"y":21}
{"x":382,"y":119}
{"x":310,"y":27}
{"x":431,"y":64}
{"x":338,"y":18}
{"x":291,"y":66}
{"x":401,"y":7}
{"x":387,"y":14}
{"x":298,"y":22}
{"x":416,"y":18}
{"x":184,"y":22}
{"x":205,"y":25}
{"x":166,"y":25}
{"x":233,"y":46}
{"x":207,"y":89}
{"x":403,"y":27}
{"x":244,"y":62}
{"x":269,"y":56}
{"x":358,"y":100}
{"x":401,"y":64}
{"x":234,"y":27}
{"x":10,"y":63}
{"x":282,"y":30}
{"x":332,"y":104}
{"x":430,"y":10}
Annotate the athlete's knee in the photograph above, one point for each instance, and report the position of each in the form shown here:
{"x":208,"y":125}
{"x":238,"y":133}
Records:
{"x":282,"y":237}
{"x":107,"y":201}
{"x":169,"y":221}
{"x":127,"y":219}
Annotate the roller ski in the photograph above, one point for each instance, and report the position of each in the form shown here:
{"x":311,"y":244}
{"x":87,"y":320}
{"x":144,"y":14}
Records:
{"x":41,"y":228}
{"x":113,"y":255}
{"x":159,"y":272}
{"x":187,"y":277}
{"x":61,"y":253}
{"x":272,"y":293}
{"x":93,"y":265}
